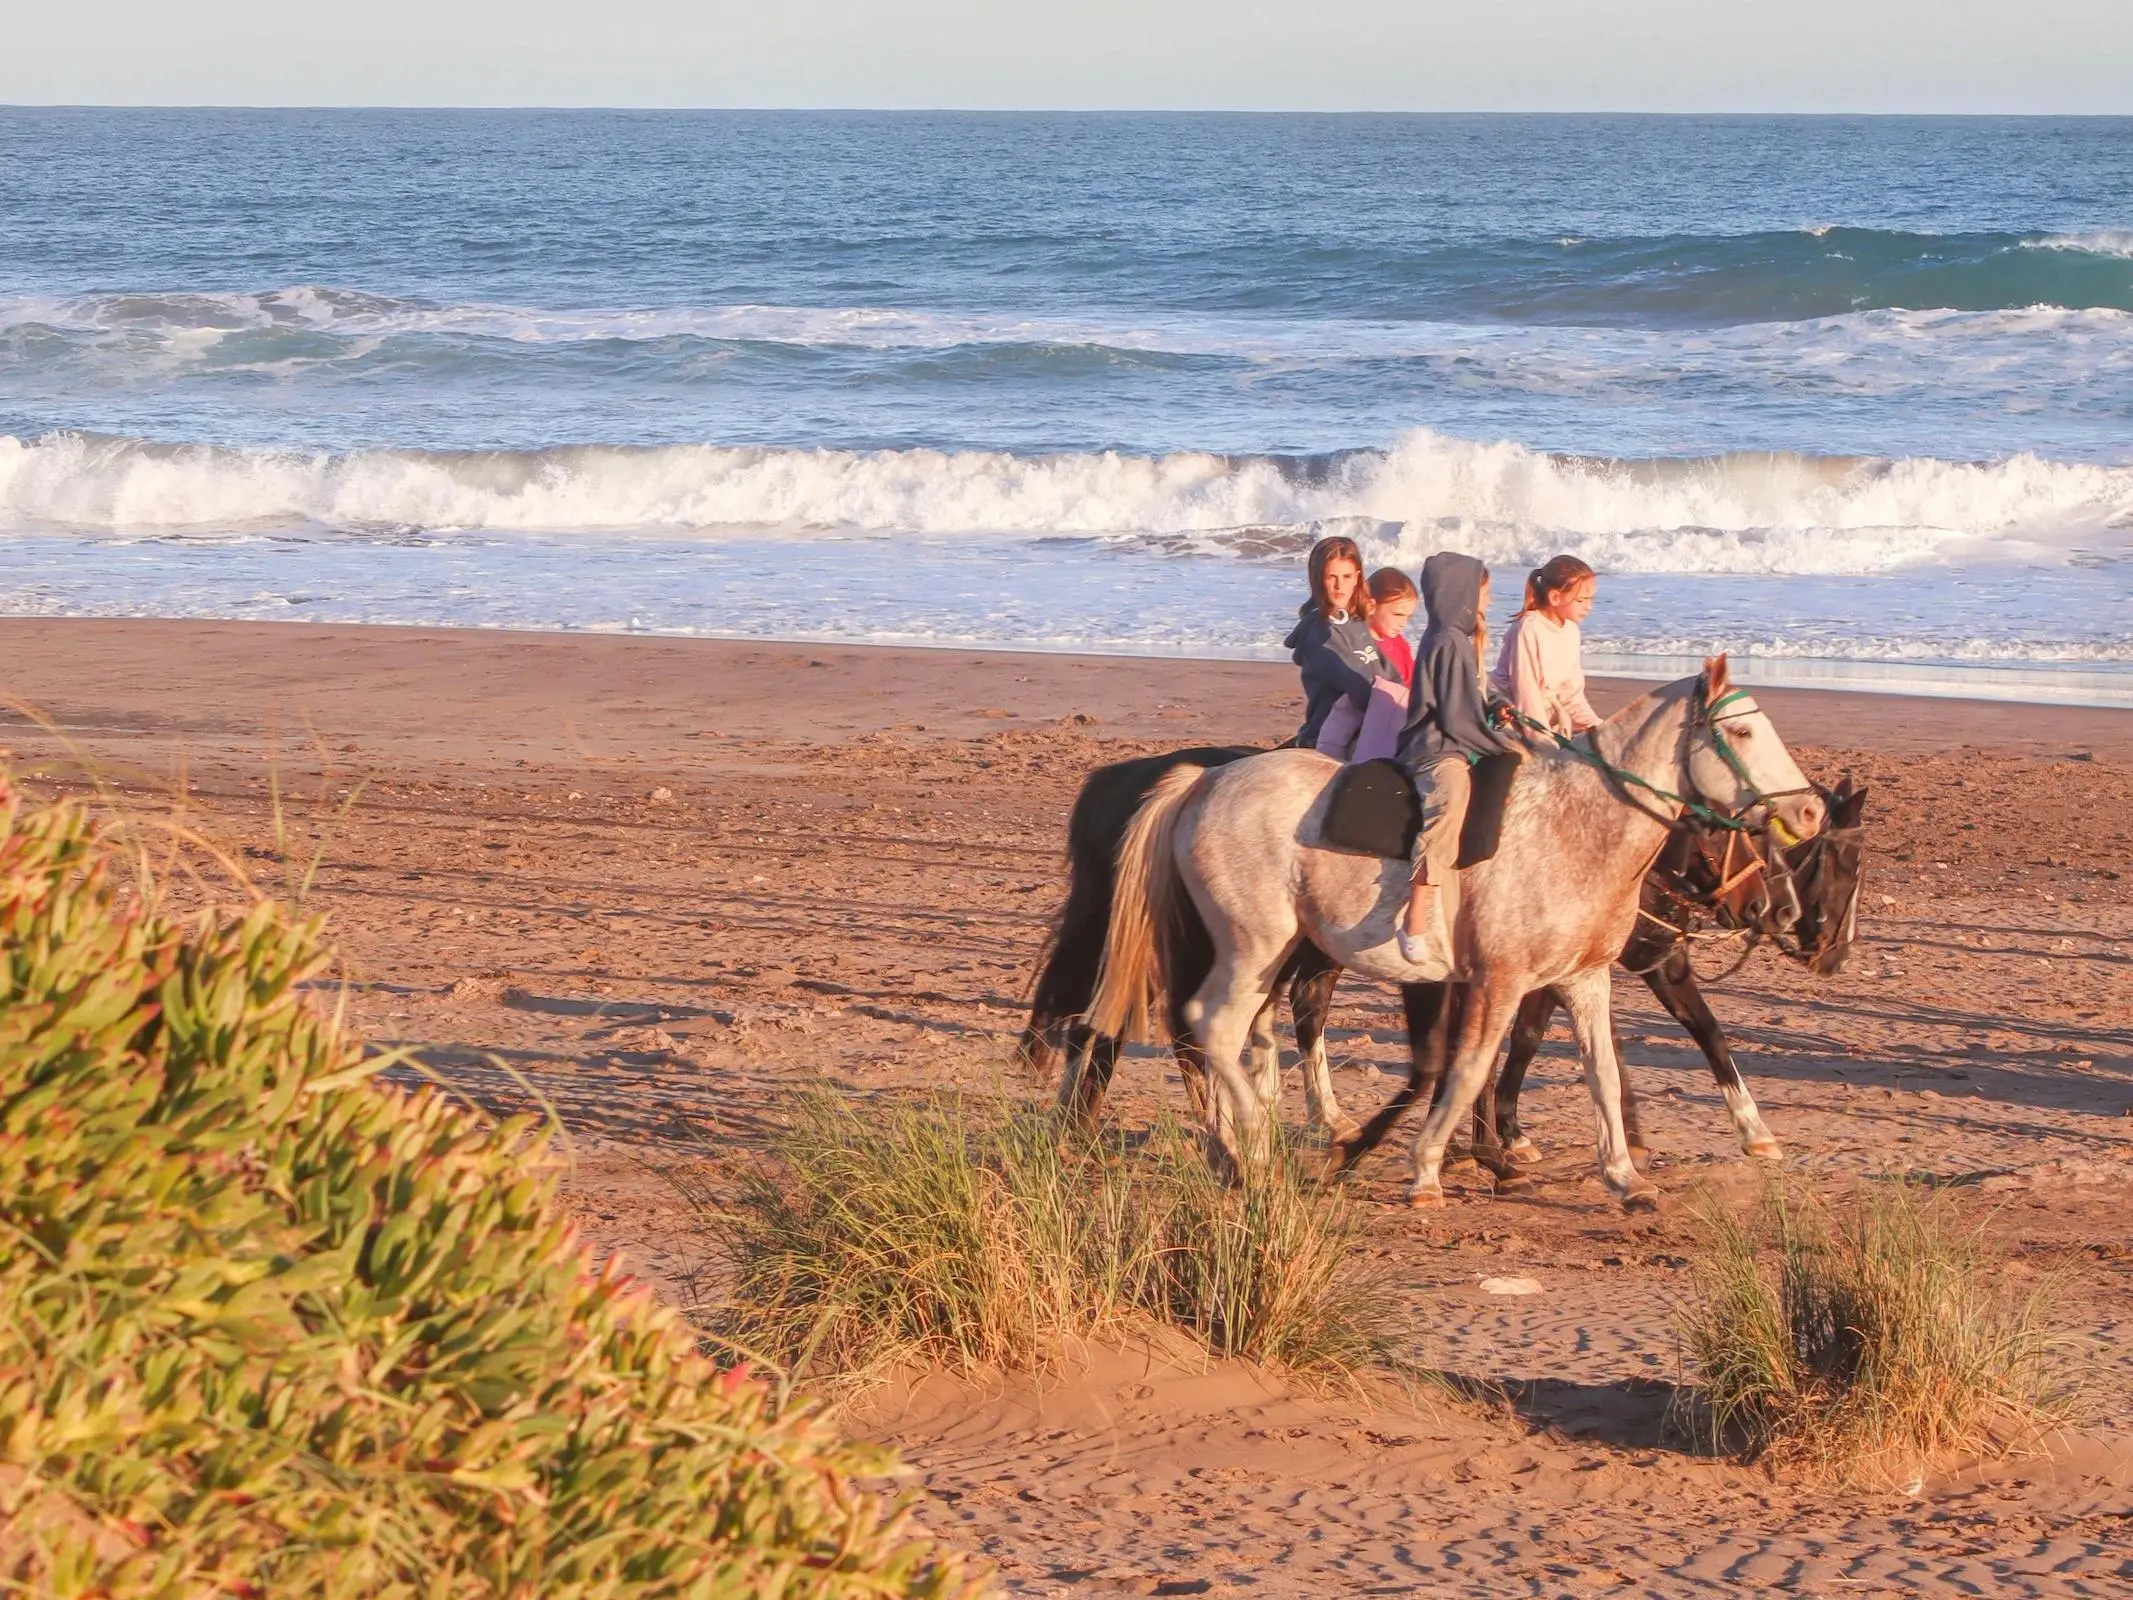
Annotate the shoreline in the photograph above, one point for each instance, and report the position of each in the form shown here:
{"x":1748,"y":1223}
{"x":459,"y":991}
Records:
{"x":425,"y":688}
{"x":2078,"y":686}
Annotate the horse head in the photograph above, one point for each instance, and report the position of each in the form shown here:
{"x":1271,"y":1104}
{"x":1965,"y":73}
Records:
{"x":1740,"y":768}
{"x":1826,"y":872}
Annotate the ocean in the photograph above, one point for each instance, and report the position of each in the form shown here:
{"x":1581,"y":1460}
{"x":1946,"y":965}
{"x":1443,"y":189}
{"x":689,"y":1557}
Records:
{"x":1849,"y":398}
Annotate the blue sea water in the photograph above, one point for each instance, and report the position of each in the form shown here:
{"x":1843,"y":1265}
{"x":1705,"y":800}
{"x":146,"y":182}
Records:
{"x":1850,"y":397}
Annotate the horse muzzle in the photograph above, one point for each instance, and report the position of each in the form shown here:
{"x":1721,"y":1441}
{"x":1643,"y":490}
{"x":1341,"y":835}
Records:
{"x":1796,"y":818}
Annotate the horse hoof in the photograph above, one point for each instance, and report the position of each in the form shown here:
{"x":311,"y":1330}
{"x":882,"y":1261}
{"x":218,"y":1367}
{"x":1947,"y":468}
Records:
{"x":1515,"y":1182}
{"x":1430,"y":1199}
{"x":1523,"y":1152}
{"x":1765,"y":1150}
{"x":1640,"y":1194}
{"x":1344,"y":1135}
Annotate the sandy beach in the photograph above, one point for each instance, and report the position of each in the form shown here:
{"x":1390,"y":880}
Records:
{"x":662,"y":883}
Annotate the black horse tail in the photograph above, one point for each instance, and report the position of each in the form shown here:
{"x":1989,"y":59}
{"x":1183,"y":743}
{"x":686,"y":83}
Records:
{"x":1073,"y":952}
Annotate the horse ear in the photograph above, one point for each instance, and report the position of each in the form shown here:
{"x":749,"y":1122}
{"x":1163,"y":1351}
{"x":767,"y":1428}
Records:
{"x":1715,"y":681}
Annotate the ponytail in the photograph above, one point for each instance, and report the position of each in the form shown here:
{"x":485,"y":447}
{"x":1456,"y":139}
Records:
{"x":1552,"y":577}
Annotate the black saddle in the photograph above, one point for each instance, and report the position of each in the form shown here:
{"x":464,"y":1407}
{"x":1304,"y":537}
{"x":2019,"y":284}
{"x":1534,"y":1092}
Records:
{"x":1374,"y":810}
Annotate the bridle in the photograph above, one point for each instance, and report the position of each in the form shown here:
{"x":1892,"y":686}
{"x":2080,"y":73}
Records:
{"x":1740,"y":820}
{"x":1755,"y":893}
{"x":1765,"y":800}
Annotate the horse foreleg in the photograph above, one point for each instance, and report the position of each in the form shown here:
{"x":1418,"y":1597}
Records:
{"x":1484,"y":1015}
{"x":1632,"y":1117}
{"x":1528,"y":1029}
{"x":1310,"y":1003}
{"x":1588,"y":996}
{"x":1674,"y":982}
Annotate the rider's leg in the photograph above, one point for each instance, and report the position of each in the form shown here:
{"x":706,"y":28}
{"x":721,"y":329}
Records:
{"x":1437,"y":846}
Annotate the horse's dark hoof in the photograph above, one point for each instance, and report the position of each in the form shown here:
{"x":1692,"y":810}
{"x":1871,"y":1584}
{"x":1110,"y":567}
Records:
{"x":1515,"y":1183}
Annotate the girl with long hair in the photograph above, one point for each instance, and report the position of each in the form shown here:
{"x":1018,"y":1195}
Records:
{"x":1540,"y":670}
{"x":1331,"y":643}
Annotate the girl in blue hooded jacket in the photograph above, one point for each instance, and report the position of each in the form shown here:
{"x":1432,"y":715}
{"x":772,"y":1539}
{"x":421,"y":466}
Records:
{"x":1448,"y":729}
{"x":1332,"y":643}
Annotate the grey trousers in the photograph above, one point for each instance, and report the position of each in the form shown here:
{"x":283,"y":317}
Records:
{"x":1449,"y":784}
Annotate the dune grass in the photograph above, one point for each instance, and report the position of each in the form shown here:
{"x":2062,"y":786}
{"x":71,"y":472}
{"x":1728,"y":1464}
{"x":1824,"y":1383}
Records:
{"x":271,"y":1327}
{"x":1868,"y":1340}
{"x":967,"y":1233}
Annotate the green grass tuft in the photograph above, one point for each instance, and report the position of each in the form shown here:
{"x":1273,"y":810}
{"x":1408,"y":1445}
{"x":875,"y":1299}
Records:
{"x":268,"y":1327}
{"x":969,"y":1234}
{"x":1867,"y":1342}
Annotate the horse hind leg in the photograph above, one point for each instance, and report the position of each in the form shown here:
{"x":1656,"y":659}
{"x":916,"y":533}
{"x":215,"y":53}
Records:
{"x":1038,"y":1051}
{"x":1085,"y":1079}
{"x":1221,"y":1017}
{"x":1589,"y":999}
{"x":1310,"y":1003}
{"x":1528,"y":1029}
{"x":1265,"y":1056}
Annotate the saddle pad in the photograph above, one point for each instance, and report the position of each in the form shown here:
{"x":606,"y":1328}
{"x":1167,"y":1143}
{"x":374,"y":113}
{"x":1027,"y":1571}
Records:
{"x":1374,"y":812}
{"x":1489,"y":782}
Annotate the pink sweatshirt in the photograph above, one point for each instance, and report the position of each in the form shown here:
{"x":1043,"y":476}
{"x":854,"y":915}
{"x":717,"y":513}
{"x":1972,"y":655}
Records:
{"x":1540,"y":672}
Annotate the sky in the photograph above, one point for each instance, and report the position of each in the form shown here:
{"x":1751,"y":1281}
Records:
{"x":2018,"y":56}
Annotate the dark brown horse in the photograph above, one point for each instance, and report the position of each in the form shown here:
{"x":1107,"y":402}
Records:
{"x":1807,"y":904}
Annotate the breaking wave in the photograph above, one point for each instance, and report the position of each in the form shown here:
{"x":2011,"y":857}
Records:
{"x":1739,"y":513}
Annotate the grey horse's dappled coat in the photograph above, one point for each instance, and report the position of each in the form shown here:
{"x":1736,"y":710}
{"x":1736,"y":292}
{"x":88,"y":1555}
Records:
{"x":1551,"y":908}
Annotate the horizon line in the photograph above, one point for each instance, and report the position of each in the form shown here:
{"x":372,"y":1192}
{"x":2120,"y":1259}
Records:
{"x":1054,"y":110}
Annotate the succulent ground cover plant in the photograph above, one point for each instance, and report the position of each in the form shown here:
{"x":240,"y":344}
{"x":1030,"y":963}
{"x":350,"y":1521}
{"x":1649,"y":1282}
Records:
{"x":271,"y":1327}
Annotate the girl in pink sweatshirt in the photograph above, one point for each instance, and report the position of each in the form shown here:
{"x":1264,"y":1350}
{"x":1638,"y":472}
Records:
{"x":1540,"y":671}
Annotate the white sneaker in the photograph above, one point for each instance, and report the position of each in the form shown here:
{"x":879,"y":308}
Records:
{"x":1416,"y":949}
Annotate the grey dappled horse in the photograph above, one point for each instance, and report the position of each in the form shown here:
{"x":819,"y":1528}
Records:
{"x":1550,"y":910}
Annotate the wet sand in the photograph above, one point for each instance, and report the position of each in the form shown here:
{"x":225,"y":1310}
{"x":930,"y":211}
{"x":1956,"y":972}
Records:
{"x":665,"y":882}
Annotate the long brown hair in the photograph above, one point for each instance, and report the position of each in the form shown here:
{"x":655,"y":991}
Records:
{"x":1552,"y":576}
{"x":1332,"y":548}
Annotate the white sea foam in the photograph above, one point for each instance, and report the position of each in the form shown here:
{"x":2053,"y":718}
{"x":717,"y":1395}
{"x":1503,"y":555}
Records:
{"x":1740,"y":513}
{"x":190,"y":324}
{"x":2103,"y":242}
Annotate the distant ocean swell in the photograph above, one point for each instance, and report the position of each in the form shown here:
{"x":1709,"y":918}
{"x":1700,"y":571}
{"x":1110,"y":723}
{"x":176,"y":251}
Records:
{"x":1772,"y":513}
{"x":1677,"y":281}
{"x":170,"y":332}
